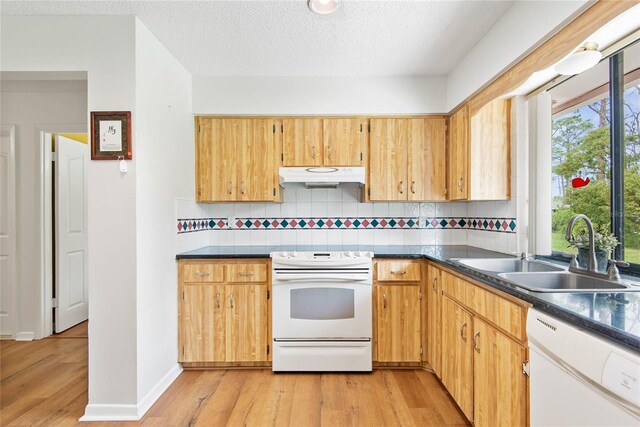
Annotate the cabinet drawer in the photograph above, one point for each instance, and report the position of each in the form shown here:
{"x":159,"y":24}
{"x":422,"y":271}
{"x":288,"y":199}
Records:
{"x":506,"y":315}
{"x":203,"y":273}
{"x":246,"y":273}
{"x":398,"y":270}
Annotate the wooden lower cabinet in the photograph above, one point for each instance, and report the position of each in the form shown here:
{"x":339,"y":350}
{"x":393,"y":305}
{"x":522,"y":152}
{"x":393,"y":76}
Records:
{"x":433,"y":291}
{"x":500,"y":387}
{"x":398,"y":323}
{"x":222,"y":321}
{"x":457,"y":354}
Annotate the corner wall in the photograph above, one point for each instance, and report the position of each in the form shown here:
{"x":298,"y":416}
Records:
{"x":165,"y":159}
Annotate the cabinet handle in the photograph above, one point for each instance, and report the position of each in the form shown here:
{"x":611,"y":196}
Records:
{"x":229,"y":187}
{"x":203,"y":273}
{"x":246,"y":273}
{"x":463,"y":332}
{"x":401,"y":187}
{"x":413,"y":187}
{"x":231,"y":300}
{"x":460,"y":184}
{"x":400,"y":273}
{"x":242,"y":187}
{"x":329,"y":152}
{"x":313,"y":152}
{"x":384,"y":300}
{"x":475,"y":342}
{"x":434,"y":284}
{"x":218,"y":300}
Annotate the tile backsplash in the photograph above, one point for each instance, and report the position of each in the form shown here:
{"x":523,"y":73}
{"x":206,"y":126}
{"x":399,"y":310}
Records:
{"x":335,"y":217}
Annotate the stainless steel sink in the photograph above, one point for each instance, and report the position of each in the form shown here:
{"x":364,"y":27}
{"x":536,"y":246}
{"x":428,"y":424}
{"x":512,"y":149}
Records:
{"x":506,"y":265}
{"x":562,"y":282}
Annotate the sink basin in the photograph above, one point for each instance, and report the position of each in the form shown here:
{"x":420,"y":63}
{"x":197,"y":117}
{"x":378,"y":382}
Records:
{"x":562,"y":282}
{"x":506,"y":265}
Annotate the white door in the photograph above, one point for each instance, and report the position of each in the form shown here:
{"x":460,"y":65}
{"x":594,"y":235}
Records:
{"x":7,"y":230}
{"x":72,"y":159}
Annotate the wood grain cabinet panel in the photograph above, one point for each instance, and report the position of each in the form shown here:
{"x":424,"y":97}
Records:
{"x":246,"y":336}
{"x":427,"y":160}
{"x":203,"y":323}
{"x":344,"y":141}
{"x":457,"y":354}
{"x":398,"y":270}
{"x":506,"y":315}
{"x":246,"y":273}
{"x":458,"y":154}
{"x":398,"y":323}
{"x":203,"y":272}
{"x":388,"y":159}
{"x":434,"y":320}
{"x":302,"y":142}
{"x":500,"y":386}
{"x":236,"y":159}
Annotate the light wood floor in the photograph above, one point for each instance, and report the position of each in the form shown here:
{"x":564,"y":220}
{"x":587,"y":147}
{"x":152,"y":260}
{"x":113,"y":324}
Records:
{"x":79,"y":331}
{"x":45,"y":383}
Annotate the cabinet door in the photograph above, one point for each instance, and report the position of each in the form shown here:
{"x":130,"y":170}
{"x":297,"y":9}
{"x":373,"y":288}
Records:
{"x":203,"y":323}
{"x":459,"y":154}
{"x":434,"y":325}
{"x":247,"y":323}
{"x":490,"y":161}
{"x":398,"y":309}
{"x":500,"y":387}
{"x":302,"y":142}
{"x":216,"y":159}
{"x":457,"y":354}
{"x":388,"y":159}
{"x":344,"y":141}
{"x":427,"y":159}
{"x":256,"y":166}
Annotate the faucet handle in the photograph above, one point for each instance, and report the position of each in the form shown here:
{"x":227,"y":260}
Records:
{"x":523,"y":255}
{"x":574,"y":261}
{"x":612,"y":271}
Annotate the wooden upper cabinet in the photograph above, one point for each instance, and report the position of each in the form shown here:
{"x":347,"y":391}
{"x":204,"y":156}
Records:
{"x":427,"y":159}
{"x":344,"y":141}
{"x":216,"y":159}
{"x":235,"y":159}
{"x":257,"y":175}
{"x":388,"y":159}
{"x":458,"y":154}
{"x":302,"y":142}
{"x":398,"y":323}
{"x":490,"y":159}
{"x":500,"y":386}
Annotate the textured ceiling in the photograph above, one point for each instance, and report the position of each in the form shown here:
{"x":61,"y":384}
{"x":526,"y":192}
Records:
{"x":283,"y":38}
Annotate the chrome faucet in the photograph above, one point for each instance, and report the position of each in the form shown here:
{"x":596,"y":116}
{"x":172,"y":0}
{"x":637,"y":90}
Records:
{"x":592,"y":264}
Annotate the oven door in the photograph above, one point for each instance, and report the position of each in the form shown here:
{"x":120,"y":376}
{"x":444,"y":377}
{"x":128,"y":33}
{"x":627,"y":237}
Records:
{"x":322,"y":309}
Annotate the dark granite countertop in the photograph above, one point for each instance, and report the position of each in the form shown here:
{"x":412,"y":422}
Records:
{"x":615,"y":316}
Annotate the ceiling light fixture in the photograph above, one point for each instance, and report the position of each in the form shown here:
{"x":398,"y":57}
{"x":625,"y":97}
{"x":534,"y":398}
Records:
{"x":323,"y":7}
{"x":587,"y":56}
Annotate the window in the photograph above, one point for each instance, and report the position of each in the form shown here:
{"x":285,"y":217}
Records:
{"x":596,"y":152}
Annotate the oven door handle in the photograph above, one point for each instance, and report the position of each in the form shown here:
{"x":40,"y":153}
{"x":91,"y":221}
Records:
{"x":323,"y":278}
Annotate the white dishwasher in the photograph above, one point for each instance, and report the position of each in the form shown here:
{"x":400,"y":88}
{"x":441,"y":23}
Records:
{"x":578,"y":379}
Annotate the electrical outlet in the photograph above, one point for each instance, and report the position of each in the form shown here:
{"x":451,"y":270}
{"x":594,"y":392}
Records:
{"x":231,"y":222}
{"x":422,"y":221}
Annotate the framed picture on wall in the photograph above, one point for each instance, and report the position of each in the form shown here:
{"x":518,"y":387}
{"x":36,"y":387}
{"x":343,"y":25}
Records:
{"x":110,"y":135}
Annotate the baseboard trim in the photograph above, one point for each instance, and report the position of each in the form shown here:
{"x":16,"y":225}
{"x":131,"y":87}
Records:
{"x":25,"y":336}
{"x":158,"y":389}
{"x":100,"y":412}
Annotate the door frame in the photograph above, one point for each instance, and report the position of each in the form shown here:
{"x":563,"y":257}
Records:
{"x":44,"y":327}
{"x":10,"y":130}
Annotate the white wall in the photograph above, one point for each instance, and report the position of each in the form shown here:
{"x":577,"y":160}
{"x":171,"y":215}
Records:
{"x":319,"y":95}
{"x":104,"y":47}
{"x":526,"y":25}
{"x":34,"y":105}
{"x":165,"y":159}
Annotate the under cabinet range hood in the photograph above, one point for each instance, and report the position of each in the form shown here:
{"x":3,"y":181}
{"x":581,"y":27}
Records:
{"x":322,"y":177}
